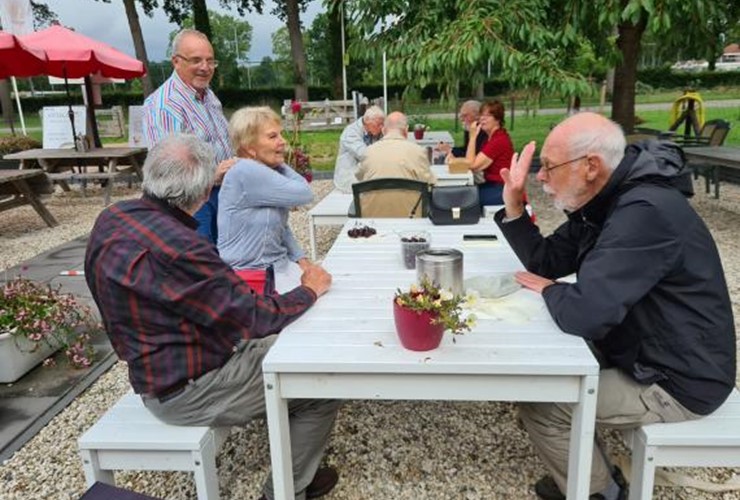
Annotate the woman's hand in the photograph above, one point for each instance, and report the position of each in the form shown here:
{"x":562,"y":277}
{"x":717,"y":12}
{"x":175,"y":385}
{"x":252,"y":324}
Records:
{"x":222,"y":168}
{"x":532,"y":281}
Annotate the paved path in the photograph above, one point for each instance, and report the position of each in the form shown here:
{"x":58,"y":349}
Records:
{"x":30,"y":403}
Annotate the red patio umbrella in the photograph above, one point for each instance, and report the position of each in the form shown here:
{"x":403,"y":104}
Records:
{"x":17,"y":59}
{"x":72,"y":55}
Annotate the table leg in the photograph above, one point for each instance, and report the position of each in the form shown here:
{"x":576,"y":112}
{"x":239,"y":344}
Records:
{"x":715,"y":176}
{"x":279,"y":434}
{"x":112,"y":163}
{"x":50,"y":167}
{"x":22,"y":186}
{"x":582,"y":439}
{"x":312,"y":236}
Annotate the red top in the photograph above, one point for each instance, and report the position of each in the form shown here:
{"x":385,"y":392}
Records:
{"x":499,"y":149}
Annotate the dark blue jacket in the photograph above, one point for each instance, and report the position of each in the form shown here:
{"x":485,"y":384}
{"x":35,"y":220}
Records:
{"x":651,"y":293}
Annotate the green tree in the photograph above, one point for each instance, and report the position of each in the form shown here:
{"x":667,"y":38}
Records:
{"x":281,"y":49}
{"x":670,"y":21}
{"x":264,"y":74}
{"x":231,"y":40}
{"x":452,"y":41}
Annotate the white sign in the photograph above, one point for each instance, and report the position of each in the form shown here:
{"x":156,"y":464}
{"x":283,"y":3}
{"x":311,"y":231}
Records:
{"x":135,"y":127}
{"x":57,"y":129}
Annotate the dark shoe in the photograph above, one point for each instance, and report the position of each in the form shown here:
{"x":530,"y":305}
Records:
{"x":547,"y":489}
{"x":321,"y":484}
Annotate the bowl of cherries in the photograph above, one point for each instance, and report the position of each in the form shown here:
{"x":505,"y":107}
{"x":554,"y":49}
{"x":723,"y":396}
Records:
{"x":364,"y":231}
{"x":413,"y":242}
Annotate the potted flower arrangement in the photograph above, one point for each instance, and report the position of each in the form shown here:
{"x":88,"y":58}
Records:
{"x":35,"y":321}
{"x":419,"y":126}
{"x":298,"y":157}
{"x":424,"y":312}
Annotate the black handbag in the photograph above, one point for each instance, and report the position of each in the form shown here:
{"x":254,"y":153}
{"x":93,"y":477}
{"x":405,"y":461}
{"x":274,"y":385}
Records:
{"x":451,"y":205}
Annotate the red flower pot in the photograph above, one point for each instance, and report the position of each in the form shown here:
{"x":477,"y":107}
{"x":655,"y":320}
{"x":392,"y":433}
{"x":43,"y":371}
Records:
{"x":416,"y":330}
{"x":418,"y":134}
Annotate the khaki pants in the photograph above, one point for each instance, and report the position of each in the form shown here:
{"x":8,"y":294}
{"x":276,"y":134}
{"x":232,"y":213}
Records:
{"x":622,"y":403}
{"x":234,"y":394}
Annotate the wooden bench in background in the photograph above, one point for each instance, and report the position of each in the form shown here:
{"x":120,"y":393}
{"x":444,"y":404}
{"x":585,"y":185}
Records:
{"x":24,"y":187}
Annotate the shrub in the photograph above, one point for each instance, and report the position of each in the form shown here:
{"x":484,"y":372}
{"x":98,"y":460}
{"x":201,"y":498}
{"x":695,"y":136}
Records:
{"x":16,"y":144}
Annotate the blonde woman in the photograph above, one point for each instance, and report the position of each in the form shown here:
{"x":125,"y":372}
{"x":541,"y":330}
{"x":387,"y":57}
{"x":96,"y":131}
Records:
{"x":255,"y":199}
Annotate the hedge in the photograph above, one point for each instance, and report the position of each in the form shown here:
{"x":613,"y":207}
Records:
{"x":232,"y":97}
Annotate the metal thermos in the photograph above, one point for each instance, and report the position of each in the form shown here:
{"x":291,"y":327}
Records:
{"x":443,"y":266}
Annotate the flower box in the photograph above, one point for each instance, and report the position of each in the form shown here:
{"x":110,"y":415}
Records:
{"x":16,"y":362}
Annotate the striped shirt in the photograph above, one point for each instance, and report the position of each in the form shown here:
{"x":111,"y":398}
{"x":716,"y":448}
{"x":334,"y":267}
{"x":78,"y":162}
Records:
{"x":177,"y":107}
{"x":172,"y":308}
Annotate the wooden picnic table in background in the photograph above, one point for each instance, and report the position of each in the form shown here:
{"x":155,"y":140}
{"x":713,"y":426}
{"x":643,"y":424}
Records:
{"x":23,"y":187}
{"x":59,"y":164}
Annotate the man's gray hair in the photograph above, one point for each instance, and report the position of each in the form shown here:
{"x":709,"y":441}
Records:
{"x":180,"y":169}
{"x":182,"y":34}
{"x":373,"y":113}
{"x":472,"y":106}
{"x":605,"y":139}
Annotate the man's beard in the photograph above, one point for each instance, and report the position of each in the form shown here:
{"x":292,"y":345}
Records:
{"x":559,"y":203}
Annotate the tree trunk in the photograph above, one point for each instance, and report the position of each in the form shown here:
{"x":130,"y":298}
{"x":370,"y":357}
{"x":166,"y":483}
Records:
{"x":200,"y":17}
{"x":139,"y":47}
{"x":6,"y":101}
{"x":625,"y":73}
{"x":297,"y":51}
{"x":335,"y":39}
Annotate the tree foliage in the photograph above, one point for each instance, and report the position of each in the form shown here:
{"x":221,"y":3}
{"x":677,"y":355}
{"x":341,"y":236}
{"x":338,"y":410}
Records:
{"x":231,"y":39}
{"x":453,"y":41}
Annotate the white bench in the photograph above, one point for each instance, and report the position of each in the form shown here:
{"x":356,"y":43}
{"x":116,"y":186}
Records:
{"x":710,"y":441}
{"x":332,"y":210}
{"x":129,"y":437}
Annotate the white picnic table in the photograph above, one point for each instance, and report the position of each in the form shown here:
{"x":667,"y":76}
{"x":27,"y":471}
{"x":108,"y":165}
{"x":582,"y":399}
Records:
{"x":346,"y":347}
{"x":433,"y":137}
{"x":333,"y":209}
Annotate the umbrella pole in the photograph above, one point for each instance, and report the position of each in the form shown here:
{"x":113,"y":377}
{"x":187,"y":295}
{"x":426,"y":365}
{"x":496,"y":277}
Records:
{"x":71,"y":113}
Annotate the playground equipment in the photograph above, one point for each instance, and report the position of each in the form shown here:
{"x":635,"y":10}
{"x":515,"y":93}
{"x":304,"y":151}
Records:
{"x":689,"y":111}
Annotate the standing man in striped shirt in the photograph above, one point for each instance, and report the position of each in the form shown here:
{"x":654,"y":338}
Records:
{"x":185,"y":103}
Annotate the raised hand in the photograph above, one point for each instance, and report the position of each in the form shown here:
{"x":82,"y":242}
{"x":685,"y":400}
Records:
{"x":515,"y":180}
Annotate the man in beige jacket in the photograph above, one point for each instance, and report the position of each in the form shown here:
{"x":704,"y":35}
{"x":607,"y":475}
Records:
{"x":394,"y":157}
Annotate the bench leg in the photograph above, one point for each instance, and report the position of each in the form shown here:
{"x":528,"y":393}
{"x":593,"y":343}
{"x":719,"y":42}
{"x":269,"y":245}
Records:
{"x":93,"y":472}
{"x":205,"y":472}
{"x":312,"y":237}
{"x":643,"y":470}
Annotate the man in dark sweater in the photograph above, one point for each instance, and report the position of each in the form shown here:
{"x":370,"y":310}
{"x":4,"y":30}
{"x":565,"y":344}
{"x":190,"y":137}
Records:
{"x":650,"y":295}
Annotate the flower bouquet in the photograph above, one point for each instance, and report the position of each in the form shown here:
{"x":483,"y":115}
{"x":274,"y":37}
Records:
{"x":424,"y":312}
{"x":298,"y":157}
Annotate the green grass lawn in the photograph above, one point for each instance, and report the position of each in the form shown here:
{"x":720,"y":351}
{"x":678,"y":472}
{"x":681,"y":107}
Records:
{"x":322,"y":145}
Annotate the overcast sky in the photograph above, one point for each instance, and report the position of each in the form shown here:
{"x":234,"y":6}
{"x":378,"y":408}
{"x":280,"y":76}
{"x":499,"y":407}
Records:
{"x":107,"y":22}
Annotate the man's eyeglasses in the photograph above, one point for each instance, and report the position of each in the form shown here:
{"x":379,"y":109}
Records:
{"x":197,"y":61}
{"x":547,"y":169}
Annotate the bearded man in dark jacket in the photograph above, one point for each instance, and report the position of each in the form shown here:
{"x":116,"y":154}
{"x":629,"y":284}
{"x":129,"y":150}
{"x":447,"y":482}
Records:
{"x":650,"y":295}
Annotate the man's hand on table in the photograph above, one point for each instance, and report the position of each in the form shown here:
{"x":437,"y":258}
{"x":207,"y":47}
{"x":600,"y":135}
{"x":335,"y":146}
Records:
{"x":532,"y":281}
{"x":317,"y":279}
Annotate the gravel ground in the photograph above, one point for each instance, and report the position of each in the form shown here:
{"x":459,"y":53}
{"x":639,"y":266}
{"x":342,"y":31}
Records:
{"x":383,"y":450}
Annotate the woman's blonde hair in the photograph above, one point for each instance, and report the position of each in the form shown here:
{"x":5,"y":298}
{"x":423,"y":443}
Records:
{"x":245,"y":125}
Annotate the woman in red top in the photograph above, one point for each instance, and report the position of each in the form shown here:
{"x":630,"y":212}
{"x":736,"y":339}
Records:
{"x":495,"y":154}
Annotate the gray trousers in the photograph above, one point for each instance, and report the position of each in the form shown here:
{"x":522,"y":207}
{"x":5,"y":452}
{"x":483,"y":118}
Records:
{"x":622,"y":403}
{"x":234,"y":394}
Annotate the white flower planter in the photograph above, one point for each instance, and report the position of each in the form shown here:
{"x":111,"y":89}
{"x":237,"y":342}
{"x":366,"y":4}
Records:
{"x":15,"y":362}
